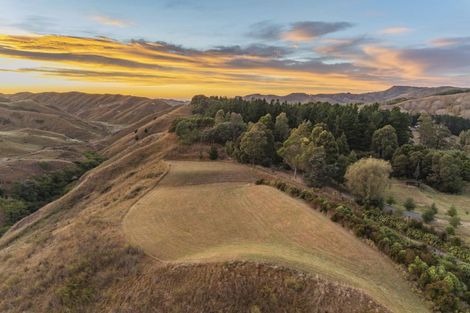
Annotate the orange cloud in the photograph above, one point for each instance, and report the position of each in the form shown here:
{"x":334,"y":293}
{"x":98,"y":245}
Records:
{"x":162,"y":69}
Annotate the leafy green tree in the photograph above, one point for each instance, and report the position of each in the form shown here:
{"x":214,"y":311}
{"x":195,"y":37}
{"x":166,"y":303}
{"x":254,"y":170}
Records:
{"x":281,"y":127}
{"x":342,"y":143}
{"x":236,"y":119}
{"x":292,"y":150}
{"x":254,"y":143}
{"x":326,"y":140}
{"x":317,"y":173}
{"x":219,"y":117}
{"x":267,"y":120}
{"x":401,"y":121}
{"x":426,"y":130}
{"x":223,"y":132}
{"x":317,"y":130}
{"x":442,"y":134}
{"x":450,"y":173}
{"x":385,"y":142}
{"x":464,"y":140}
{"x":368,"y":178}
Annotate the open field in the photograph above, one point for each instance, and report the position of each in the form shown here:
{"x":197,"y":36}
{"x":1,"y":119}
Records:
{"x":212,"y":211}
{"x":424,"y":196}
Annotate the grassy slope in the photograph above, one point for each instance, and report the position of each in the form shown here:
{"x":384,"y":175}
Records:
{"x":211,"y":212}
{"x":72,"y":255}
{"x":424,"y":196}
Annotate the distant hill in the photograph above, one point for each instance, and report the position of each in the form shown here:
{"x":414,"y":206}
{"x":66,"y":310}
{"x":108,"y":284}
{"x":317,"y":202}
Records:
{"x":457,"y":104}
{"x":108,"y":108}
{"x":395,"y":93}
{"x":44,"y":132}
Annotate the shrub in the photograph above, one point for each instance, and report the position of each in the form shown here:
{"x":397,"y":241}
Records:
{"x":428,"y":215}
{"x":390,"y":200}
{"x":409,"y":204}
{"x":260,"y":181}
{"x":213,"y":153}
{"x":454,"y":221}
{"x":452,"y":211}
{"x":280,"y":185}
{"x":450,"y":230}
{"x":293,"y":191}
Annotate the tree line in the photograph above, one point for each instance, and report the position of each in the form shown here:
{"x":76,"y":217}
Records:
{"x":320,"y":140}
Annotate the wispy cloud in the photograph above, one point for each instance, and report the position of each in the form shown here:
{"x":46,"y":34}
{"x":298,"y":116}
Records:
{"x":396,"y":30}
{"x":305,"y":31}
{"x":452,"y":41}
{"x":296,"y":32}
{"x":360,"y":63}
{"x":265,"y":30}
{"x":110,"y":21}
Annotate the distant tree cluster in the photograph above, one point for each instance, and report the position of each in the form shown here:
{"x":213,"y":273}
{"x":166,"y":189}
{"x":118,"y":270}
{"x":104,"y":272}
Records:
{"x":29,"y":195}
{"x":358,"y":125}
{"x":444,"y":170}
{"x":320,"y":140}
{"x":455,"y":124}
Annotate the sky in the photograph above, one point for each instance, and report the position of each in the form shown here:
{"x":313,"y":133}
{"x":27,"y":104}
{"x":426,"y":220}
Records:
{"x":179,"y":48}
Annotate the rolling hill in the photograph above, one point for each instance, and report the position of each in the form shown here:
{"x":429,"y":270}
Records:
{"x":45,"y":132}
{"x":395,"y":93}
{"x":105,"y":108}
{"x":212,"y":212}
{"x":223,"y":244}
{"x":457,"y":104}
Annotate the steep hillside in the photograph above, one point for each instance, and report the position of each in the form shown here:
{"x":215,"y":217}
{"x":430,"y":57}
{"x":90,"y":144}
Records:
{"x":31,"y":114}
{"x":106,"y":108}
{"x":453,"y":104}
{"x":45,"y":132}
{"x":391,"y":94}
{"x":101,"y":270}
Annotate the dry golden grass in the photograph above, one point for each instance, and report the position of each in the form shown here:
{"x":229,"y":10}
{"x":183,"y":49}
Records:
{"x":72,"y":256}
{"x":425,"y":196}
{"x":211,"y":212}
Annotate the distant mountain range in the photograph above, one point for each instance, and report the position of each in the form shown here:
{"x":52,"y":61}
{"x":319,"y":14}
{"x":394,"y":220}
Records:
{"x":394,"y":94}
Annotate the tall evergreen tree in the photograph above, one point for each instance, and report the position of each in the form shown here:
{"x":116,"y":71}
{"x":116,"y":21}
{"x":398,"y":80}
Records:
{"x":385,"y":142}
{"x":281,"y":127}
{"x":426,"y":130}
{"x":254,"y":143}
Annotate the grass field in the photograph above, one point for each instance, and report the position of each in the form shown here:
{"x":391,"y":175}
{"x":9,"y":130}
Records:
{"x":424,"y":196}
{"x":212,"y":211}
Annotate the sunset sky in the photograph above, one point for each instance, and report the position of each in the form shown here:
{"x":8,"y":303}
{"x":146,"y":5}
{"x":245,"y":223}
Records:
{"x":175,"y":49}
